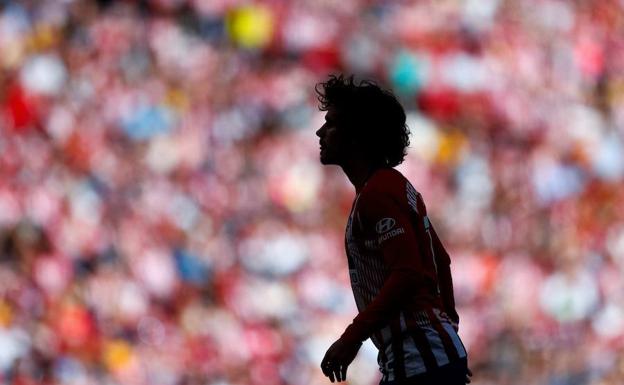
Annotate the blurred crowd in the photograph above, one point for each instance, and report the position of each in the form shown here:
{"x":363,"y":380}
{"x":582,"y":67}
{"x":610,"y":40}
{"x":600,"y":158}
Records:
{"x":164,"y":218}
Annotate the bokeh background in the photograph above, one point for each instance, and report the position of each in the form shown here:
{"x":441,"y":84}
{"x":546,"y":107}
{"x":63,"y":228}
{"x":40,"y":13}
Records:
{"x":164,"y":218}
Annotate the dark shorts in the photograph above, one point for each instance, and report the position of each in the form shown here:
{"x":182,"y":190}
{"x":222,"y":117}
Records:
{"x":449,"y":374}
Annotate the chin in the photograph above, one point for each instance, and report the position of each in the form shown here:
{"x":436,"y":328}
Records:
{"x":328,"y":161}
{"x":328,"y":158}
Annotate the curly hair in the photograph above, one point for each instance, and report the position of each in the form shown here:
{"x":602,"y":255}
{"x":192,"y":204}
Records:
{"x":372,"y":115}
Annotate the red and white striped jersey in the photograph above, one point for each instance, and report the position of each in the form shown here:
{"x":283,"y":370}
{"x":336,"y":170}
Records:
{"x":401,"y":279}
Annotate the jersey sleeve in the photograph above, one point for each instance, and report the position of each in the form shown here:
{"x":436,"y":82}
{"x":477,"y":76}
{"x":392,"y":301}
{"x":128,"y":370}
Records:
{"x":385,"y":217}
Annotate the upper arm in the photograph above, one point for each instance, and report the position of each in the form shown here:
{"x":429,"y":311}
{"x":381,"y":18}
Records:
{"x":386,"y":219}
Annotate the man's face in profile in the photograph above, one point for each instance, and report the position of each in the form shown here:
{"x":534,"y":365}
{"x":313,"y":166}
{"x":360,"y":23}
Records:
{"x":331,"y":140}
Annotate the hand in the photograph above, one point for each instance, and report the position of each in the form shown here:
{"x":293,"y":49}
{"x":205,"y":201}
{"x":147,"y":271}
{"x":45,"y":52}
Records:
{"x":338,"y":358}
{"x":468,"y":375}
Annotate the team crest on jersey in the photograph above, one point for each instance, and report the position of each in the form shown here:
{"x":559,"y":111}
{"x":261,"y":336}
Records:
{"x":385,"y":225}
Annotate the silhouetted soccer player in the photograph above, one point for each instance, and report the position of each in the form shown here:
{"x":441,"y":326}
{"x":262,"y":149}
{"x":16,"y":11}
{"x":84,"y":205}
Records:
{"x":399,"y":270}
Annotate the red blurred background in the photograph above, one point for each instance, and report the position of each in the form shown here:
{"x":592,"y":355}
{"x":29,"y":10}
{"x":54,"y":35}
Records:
{"x":164,"y":218}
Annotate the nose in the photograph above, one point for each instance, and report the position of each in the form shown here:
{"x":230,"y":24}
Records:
{"x":319,"y":132}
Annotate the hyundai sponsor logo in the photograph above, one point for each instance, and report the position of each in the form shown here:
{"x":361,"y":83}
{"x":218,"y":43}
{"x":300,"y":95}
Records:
{"x":390,"y":234}
{"x":384,"y":225}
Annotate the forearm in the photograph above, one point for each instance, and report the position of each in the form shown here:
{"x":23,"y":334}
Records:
{"x":446,"y":292}
{"x":445,"y":279}
{"x":396,"y":291}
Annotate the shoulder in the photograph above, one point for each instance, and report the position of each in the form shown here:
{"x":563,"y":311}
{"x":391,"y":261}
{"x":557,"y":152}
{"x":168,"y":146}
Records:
{"x":385,"y":182}
{"x":386,"y":187}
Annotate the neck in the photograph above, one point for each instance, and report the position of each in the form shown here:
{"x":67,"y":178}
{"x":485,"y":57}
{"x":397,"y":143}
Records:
{"x":358,"y":173}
